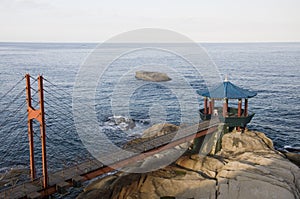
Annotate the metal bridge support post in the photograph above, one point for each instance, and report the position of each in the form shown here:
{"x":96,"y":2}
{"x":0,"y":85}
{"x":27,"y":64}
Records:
{"x":39,"y":115}
{"x":43,"y":130}
{"x":30,"y":129}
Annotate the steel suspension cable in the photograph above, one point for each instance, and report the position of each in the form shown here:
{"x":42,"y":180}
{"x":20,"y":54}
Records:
{"x":12,"y":88}
{"x":17,"y":110}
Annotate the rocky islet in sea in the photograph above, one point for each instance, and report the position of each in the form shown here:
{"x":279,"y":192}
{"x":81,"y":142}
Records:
{"x":152,"y":76}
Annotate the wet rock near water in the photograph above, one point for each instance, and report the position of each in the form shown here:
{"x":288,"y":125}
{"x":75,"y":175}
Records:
{"x":121,"y":122}
{"x":293,"y":157}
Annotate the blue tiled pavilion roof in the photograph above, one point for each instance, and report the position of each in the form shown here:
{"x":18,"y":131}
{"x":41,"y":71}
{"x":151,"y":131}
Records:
{"x":229,"y":91}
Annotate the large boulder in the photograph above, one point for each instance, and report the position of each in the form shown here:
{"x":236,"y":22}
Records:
{"x":159,"y":130}
{"x":152,"y":132}
{"x":254,"y":169}
{"x":152,"y":76}
{"x":237,"y":142}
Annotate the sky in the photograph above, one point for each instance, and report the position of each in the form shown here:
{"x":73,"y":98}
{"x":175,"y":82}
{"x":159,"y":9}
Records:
{"x":99,"y":20}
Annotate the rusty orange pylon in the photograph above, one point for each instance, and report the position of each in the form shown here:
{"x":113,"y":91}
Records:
{"x":39,"y":115}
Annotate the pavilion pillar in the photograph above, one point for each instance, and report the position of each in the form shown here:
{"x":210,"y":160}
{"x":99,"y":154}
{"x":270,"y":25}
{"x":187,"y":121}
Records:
{"x":210,"y":106}
{"x":246,"y":108}
{"x":239,"y":112}
{"x":240,"y":108}
{"x":225,"y":107}
{"x":205,"y":105}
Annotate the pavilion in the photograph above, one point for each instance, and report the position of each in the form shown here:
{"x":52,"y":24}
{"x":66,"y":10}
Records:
{"x":232,"y":117}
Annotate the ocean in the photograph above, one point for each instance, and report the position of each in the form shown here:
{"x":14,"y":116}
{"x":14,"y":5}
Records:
{"x":270,"y":69}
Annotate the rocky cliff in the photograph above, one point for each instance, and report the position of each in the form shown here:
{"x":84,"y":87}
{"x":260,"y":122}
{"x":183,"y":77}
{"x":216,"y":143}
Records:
{"x":246,"y":167}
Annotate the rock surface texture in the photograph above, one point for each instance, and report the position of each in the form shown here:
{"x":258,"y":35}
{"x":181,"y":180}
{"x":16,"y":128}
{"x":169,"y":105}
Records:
{"x":246,"y":167}
{"x":152,"y":76}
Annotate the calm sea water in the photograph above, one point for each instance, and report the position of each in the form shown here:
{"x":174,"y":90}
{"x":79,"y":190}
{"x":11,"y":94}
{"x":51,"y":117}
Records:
{"x":271,"y":69}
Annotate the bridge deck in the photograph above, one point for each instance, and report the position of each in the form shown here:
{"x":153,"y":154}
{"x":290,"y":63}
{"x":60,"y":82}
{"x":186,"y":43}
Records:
{"x":73,"y":176}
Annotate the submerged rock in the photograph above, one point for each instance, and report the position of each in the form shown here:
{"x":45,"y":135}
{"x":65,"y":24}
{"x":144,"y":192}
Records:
{"x":152,"y":76}
{"x":246,"y":167}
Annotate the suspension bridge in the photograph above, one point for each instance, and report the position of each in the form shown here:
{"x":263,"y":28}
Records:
{"x":38,"y":135}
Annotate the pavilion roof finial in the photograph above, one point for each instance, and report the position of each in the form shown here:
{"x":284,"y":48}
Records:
{"x":226,"y":78}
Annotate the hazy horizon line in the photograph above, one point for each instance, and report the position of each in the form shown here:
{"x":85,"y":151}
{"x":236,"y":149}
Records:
{"x":97,"y":42}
